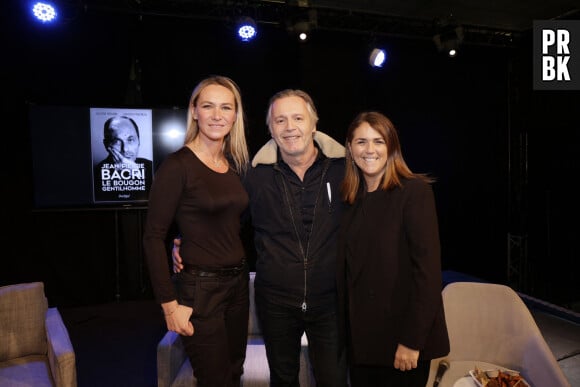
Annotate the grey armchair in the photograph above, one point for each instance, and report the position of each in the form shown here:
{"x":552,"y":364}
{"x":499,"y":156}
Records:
{"x":490,"y":327}
{"x":35,"y":348}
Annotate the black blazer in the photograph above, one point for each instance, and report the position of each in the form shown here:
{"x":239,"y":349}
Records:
{"x":389,"y":276}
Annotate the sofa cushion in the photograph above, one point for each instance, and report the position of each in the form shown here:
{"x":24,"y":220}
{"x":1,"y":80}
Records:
{"x":22,"y":311}
{"x":25,"y":372}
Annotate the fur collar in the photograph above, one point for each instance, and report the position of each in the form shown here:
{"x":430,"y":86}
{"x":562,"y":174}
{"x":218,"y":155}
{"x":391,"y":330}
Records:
{"x":269,"y":152}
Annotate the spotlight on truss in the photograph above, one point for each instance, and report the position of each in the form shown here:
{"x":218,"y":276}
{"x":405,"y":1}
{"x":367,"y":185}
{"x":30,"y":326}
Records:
{"x":378,"y":57}
{"x":247,"y":29}
{"x":449,"y":40}
{"x":44,"y":12}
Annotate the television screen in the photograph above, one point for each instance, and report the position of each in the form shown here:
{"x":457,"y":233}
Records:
{"x":93,"y":157}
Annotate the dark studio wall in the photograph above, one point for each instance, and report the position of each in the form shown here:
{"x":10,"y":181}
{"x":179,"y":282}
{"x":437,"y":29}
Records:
{"x":548,"y":128}
{"x":459,"y":119}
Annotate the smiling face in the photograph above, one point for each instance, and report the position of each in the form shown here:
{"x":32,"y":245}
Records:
{"x":369,"y":152}
{"x":215,"y":112}
{"x":292,"y":127}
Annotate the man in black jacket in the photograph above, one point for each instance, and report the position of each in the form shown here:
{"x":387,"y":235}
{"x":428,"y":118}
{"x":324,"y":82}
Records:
{"x":295,"y":211}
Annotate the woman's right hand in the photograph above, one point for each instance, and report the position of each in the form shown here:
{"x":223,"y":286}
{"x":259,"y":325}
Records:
{"x":177,"y":318}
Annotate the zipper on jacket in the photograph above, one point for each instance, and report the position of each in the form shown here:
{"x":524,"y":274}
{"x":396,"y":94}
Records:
{"x":304,"y":253}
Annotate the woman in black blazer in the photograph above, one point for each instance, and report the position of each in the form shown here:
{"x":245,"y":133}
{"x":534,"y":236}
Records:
{"x":389,"y":264}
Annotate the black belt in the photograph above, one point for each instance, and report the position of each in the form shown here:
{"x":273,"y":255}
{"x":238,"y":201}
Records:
{"x":215,"y":272}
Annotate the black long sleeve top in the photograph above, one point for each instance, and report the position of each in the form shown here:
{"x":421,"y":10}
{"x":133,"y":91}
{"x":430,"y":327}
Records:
{"x":205,"y":205}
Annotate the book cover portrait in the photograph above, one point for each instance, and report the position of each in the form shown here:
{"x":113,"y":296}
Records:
{"x":122,"y":154}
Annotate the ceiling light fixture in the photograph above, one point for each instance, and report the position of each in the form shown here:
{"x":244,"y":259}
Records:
{"x":449,"y":40}
{"x":247,"y":29}
{"x":378,"y":57}
{"x":302,"y":29}
{"x":44,"y":12}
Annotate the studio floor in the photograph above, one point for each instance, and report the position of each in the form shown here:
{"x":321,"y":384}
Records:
{"x":115,"y":343}
{"x":563,"y":338}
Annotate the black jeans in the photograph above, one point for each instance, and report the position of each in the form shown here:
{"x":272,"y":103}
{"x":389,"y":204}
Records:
{"x":217,"y":349}
{"x":283,"y":327}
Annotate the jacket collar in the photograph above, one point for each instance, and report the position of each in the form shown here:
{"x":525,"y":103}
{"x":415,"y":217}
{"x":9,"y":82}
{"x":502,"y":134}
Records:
{"x":268,"y":154}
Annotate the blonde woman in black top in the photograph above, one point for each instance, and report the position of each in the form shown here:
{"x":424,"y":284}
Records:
{"x":198,"y":187}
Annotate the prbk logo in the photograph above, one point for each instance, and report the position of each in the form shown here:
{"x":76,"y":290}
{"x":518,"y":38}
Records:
{"x":557,"y":55}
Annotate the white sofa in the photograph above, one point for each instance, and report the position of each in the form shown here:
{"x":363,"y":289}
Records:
{"x":174,"y":369}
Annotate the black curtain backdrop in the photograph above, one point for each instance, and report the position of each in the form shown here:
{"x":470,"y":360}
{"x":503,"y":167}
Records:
{"x":505,"y":157}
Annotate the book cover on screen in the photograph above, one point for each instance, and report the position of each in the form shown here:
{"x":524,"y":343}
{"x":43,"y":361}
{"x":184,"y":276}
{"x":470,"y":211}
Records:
{"x":122,"y":154}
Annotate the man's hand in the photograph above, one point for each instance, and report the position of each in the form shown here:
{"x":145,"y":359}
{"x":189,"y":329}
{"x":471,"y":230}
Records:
{"x":177,"y":261}
{"x":120,"y":159}
{"x":406,"y":358}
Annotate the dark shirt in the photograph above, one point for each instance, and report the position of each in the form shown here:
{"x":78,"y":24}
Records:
{"x":304,"y":196}
{"x":206,"y":207}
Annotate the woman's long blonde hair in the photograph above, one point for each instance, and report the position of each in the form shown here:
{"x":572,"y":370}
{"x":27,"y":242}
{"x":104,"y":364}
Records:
{"x":396,"y":167}
{"x":235,"y":147}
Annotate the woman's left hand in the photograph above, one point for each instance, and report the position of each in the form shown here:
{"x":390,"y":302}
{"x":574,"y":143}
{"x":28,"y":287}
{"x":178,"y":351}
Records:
{"x":406,"y":358}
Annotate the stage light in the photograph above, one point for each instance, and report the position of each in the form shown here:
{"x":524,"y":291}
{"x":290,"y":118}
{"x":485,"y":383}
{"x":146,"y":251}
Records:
{"x":378,"y":57}
{"x":302,"y":24}
{"x":44,"y":12}
{"x":449,"y":41}
{"x":247,"y":29}
{"x":302,"y":28}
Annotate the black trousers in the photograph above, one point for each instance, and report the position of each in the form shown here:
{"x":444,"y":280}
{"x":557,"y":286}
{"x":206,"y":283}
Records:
{"x":283,"y":327}
{"x":217,"y":349}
